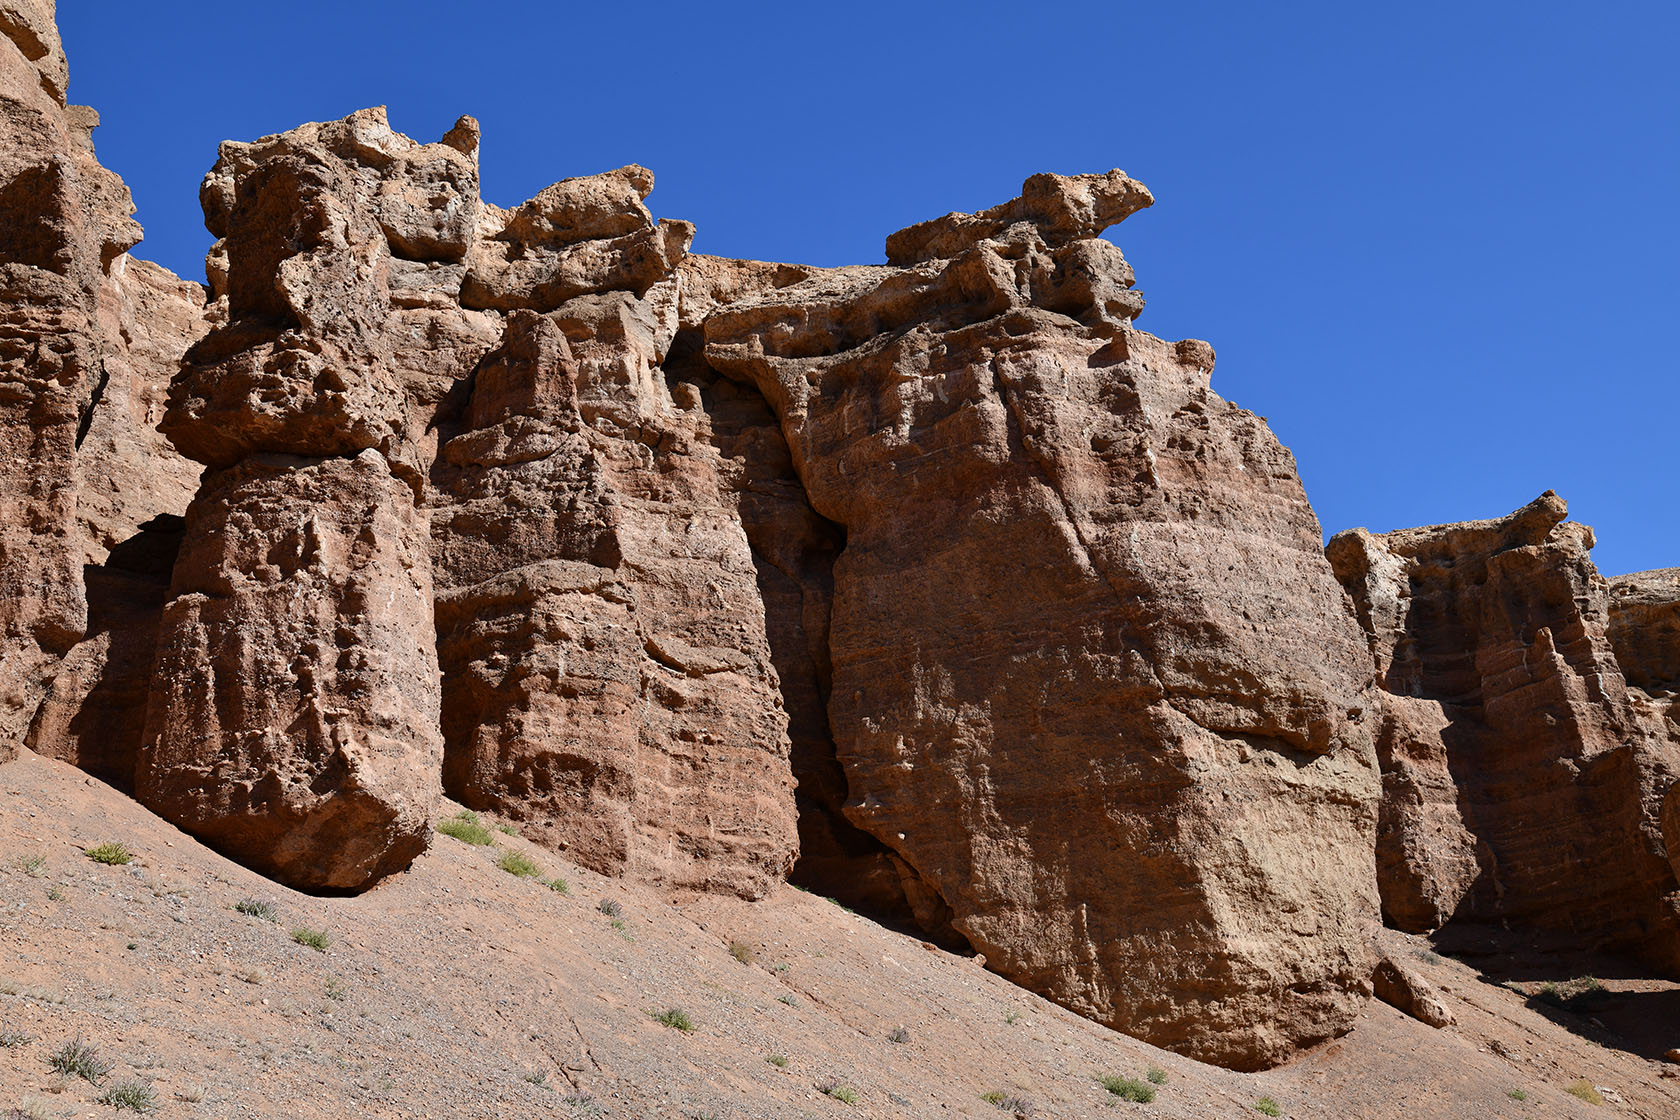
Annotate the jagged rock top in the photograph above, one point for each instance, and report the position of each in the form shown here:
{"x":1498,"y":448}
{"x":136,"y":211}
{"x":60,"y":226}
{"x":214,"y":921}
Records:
{"x":1063,"y":208}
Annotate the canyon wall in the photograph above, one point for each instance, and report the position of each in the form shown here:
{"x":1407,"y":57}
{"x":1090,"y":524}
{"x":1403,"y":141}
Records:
{"x":934,"y":585}
{"x":92,"y":493}
{"x":1524,"y":776}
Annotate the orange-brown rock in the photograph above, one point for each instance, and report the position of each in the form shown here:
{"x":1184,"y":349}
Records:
{"x":1644,"y":630}
{"x":607,"y":676}
{"x":1092,"y":680}
{"x":294,"y":714}
{"x":294,"y":720}
{"x":1401,"y":987}
{"x":1515,"y":742}
{"x":88,"y":339}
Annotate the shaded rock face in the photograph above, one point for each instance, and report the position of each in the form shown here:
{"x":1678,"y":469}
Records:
{"x":1523,"y":778}
{"x":1644,"y":630}
{"x":88,"y":340}
{"x":1093,"y":683}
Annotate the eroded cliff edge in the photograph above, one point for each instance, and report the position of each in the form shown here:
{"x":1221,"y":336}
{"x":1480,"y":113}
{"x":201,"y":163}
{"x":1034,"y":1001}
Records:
{"x":934,"y":585}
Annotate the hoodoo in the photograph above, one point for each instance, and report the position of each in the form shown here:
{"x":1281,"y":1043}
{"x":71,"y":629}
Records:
{"x":935,"y":585}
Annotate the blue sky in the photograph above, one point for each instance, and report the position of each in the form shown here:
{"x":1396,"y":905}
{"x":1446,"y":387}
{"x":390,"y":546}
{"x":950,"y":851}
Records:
{"x":1435,"y":244}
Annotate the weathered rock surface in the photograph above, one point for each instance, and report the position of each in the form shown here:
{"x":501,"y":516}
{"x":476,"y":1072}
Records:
{"x":295,"y":719}
{"x":607,"y":676}
{"x":88,"y":339}
{"x":1401,"y":987}
{"x":1092,"y":679}
{"x":1515,"y":742}
{"x":938,"y":575}
{"x":295,"y":711}
{"x":1644,"y":630}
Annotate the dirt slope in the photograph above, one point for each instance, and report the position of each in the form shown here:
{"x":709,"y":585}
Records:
{"x":460,"y":990}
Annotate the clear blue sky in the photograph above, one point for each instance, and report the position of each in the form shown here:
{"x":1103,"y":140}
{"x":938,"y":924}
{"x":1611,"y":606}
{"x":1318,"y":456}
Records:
{"x":1436,"y":244}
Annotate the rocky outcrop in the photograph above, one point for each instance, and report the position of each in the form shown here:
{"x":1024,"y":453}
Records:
{"x":1644,"y":630}
{"x":1092,"y":680}
{"x":938,"y":575}
{"x":1522,"y":778}
{"x":607,"y":675}
{"x":294,"y":723}
{"x":88,"y":339}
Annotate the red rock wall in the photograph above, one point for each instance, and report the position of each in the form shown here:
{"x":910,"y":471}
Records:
{"x":88,"y":340}
{"x":1524,"y":778}
{"x":1088,"y":663}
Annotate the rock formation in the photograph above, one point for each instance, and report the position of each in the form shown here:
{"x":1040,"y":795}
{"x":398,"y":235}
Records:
{"x":938,"y":576}
{"x":88,"y":340}
{"x":1522,"y":779}
{"x":607,"y":677}
{"x":1089,"y":666}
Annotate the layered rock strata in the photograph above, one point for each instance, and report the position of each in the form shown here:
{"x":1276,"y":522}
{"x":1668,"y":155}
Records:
{"x":295,"y":719}
{"x":1092,"y":680}
{"x":607,"y":674}
{"x":88,"y":339}
{"x":1523,"y":778}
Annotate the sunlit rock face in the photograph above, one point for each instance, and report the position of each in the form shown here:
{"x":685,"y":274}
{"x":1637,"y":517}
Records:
{"x":1093,"y":682}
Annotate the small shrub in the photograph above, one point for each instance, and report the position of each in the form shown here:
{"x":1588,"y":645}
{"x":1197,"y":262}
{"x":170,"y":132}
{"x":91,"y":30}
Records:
{"x":192,"y":1094}
{"x":558,"y":885}
{"x":11,"y":1040}
{"x":787,"y":999}
{"x":1584,"y":1090}
{"x":898,"y":1034}
{"x":536,"y":1076}
{"x":520,"y":865}
{"x":1020,"y":1106}
{"x":135,"y":1096}
{"x":833,"y":1087}
{"x":464,"y":827}
{"x":55,"y":894}
{"x":1517,"y":1095}
{"x":584,"y":1103}
{"x":31,"y":1108}
{"x":1577,"y":995}
{"x":34,"y":866}
{"x":781,"y":966}
{"x":250,"y":976}
{"x":314,"y":938}
{"x":778,"y":1061}
{"x":507,"y":830}
{"x":676,"y":1018}
{"x":1012,"y":1018}
{"x":77,"y":1059}
{"x":742,"y":952}
{"x":610,"y":908}
{"x":258,"y":908}
{"x":1155,"y":1076}
{"x":336,"y":990}
{"x":1266,"y":1106}
{"x":1129,"y":1089}
{"x":113,"y":854}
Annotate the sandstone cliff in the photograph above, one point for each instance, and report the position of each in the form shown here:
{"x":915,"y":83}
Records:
{"x":88,"y":340}
{"x":936,"y":586}
{"x":1523,"y":777}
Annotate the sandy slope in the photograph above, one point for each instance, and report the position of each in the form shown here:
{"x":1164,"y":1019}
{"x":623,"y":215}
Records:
{"x":459,"y":990}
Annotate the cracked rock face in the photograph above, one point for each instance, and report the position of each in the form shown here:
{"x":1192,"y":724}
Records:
{"x":1093,"y":682}
{"x":88,"y":339}
{"x":1513,"y":745}
{"x":295,"y":720}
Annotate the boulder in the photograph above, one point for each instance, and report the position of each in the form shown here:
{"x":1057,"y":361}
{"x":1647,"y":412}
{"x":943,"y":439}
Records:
{"x":1403,"y":989}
